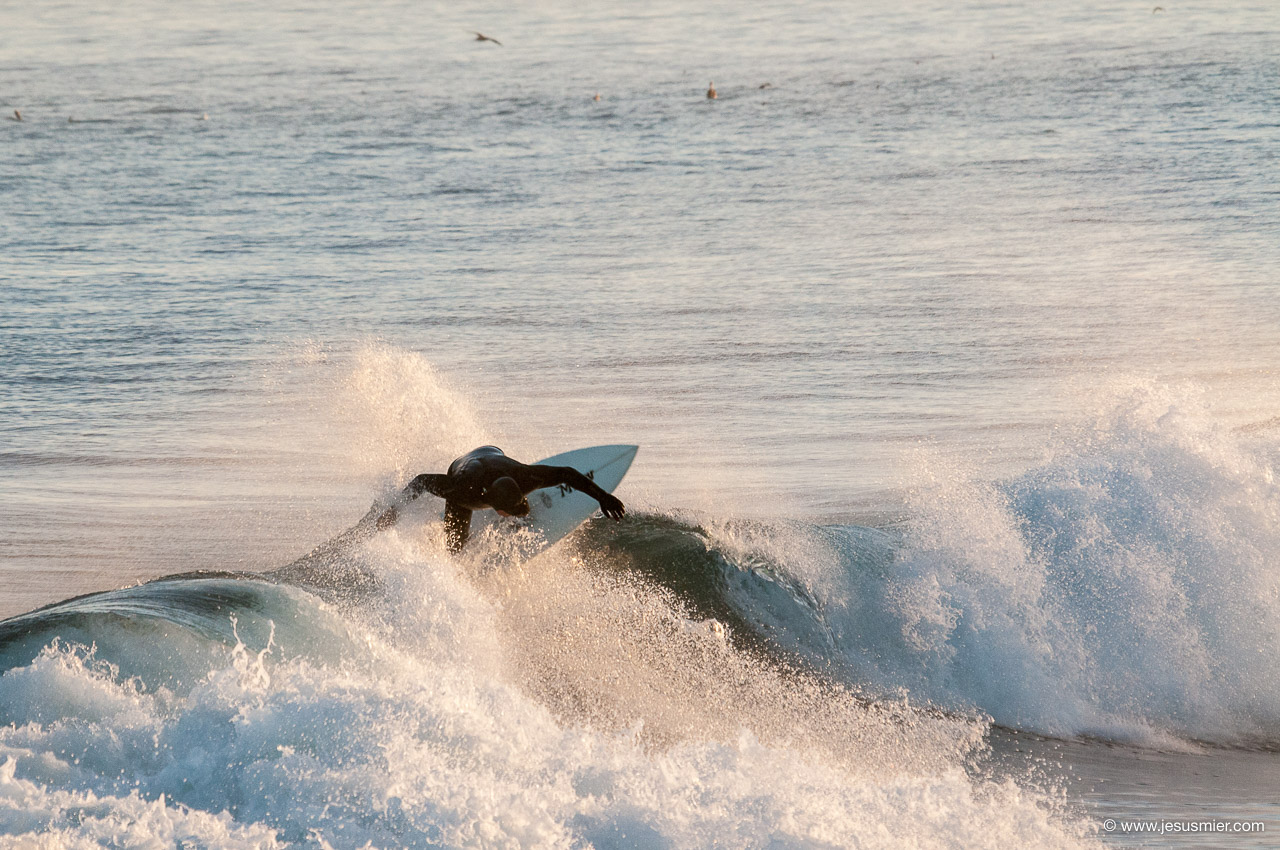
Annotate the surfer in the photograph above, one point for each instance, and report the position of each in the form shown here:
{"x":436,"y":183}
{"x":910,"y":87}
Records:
{"x":487,"y":478}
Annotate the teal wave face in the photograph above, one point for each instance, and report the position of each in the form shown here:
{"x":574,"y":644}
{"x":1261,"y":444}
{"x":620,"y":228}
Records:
{"x":170,"y":632}
{"x":762,"y":581}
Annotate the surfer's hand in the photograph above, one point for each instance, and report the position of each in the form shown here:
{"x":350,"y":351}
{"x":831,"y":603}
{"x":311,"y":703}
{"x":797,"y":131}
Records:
{"x":612,"y":506}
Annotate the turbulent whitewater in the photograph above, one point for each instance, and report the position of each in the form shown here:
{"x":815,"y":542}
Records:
{"x":675,"y":680}
{"x":556,"y":706}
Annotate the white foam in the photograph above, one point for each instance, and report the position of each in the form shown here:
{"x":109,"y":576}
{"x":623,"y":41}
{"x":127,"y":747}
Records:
{"x":446,"y":734}
{"x":1125,"y":589}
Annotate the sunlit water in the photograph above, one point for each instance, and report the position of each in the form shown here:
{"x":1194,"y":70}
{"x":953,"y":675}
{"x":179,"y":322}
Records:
{"x":949,"y":334}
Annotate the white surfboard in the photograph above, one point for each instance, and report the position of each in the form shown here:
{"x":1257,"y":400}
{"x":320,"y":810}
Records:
{"x":556,"y":511}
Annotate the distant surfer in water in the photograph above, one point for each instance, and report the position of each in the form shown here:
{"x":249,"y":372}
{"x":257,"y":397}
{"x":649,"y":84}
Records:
{"x":487,"y":478}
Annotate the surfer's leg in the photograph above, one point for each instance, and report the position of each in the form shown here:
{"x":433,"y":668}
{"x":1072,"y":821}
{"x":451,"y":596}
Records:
{"x":457,"y":526}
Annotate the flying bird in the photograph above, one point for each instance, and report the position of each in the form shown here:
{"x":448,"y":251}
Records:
{"x":482,"y":37}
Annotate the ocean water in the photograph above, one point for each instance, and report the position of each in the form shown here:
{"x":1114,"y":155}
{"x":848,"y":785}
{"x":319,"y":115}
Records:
{"x":949,"y":333}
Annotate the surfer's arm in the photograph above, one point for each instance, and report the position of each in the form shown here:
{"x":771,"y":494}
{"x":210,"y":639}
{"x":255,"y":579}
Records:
{"x":550,"y":476}
{"x":437,"y":485}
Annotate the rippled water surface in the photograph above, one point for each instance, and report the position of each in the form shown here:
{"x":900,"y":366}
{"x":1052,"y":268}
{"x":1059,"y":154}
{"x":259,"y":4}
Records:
{"x":997,"y":281}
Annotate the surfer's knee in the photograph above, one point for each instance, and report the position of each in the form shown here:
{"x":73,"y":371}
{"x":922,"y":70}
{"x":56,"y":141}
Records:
{"x":454,"y":539}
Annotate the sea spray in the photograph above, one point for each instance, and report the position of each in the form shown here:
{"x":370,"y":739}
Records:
{"x":539,"y":707}
{"x":1121,"y":589}
{"x":1124,"y":589}
{"x":380,"y":414}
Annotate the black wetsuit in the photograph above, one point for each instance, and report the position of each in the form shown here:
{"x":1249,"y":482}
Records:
{"x":469,"y":485}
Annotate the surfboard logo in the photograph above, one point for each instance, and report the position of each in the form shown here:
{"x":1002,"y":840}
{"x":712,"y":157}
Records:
{"x":565,"y":489}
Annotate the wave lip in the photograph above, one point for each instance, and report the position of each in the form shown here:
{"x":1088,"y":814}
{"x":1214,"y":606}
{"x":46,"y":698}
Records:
{"x":1124,"y":590}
